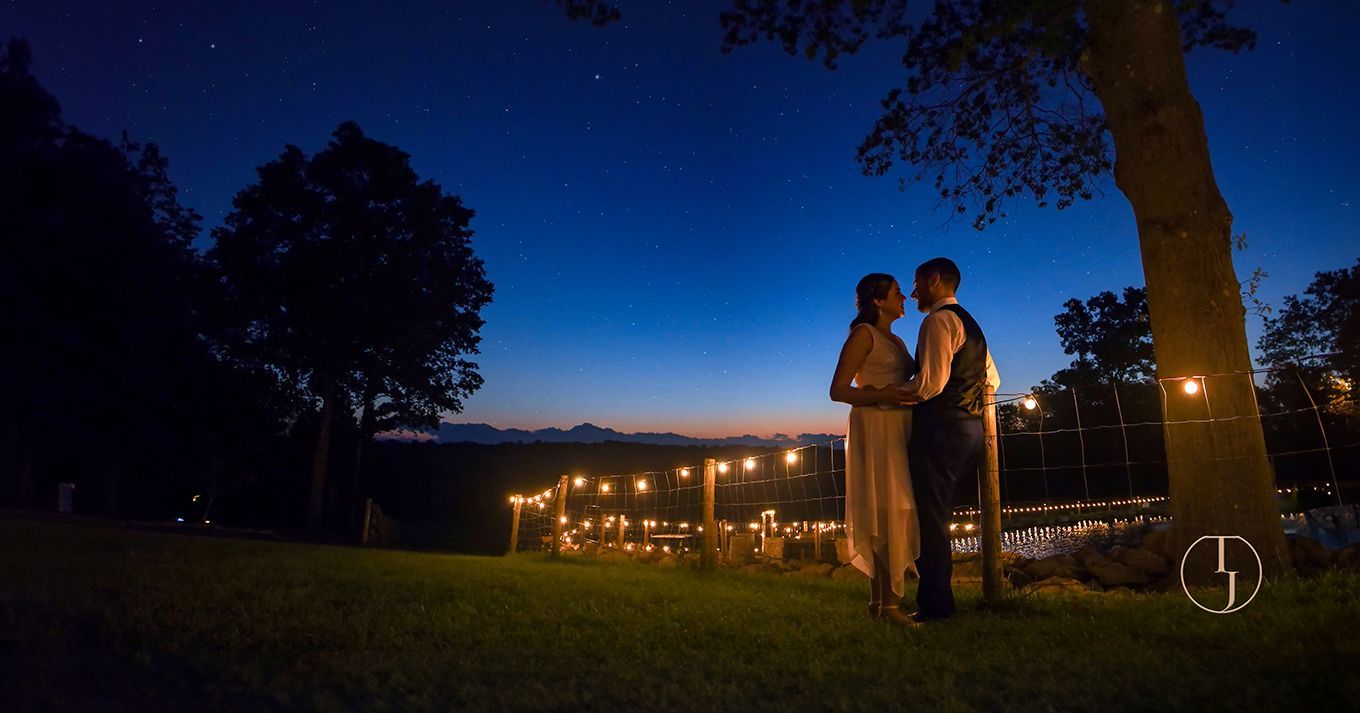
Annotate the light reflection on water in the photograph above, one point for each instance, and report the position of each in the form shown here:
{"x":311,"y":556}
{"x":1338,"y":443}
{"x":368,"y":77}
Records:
{"x":1048,"y":540}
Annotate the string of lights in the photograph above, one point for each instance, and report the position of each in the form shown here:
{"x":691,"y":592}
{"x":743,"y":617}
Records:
{"x":796,"y":494}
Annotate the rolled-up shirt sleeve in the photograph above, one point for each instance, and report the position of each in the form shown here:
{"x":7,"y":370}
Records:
{"x":941,"y":335}
{"x":940,"y":338}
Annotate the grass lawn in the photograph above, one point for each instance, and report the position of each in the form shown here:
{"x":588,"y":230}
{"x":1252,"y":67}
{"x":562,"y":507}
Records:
{"x":105,"y":619}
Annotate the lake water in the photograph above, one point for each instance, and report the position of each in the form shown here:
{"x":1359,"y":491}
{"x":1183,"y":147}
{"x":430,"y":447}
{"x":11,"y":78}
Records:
{"x":1048,"y":540}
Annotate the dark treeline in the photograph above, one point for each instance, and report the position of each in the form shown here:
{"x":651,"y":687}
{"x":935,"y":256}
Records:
{"x":339,"y":299}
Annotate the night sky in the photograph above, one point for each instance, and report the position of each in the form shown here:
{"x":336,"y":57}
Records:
{"x":675,"y":234}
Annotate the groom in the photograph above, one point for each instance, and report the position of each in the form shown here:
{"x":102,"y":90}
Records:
{"x":954,"y":368}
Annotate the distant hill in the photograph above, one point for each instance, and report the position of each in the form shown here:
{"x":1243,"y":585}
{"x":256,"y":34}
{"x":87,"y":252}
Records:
{"x":590,"y":433}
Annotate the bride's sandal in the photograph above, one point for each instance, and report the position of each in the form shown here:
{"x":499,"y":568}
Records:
{"x":893,"y":614}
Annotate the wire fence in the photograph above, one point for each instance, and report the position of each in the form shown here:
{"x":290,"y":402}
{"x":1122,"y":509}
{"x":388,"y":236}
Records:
{"x":1079,"y":456}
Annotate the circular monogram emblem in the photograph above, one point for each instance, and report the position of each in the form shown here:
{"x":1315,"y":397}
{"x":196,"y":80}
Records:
{"x":1221,"y":541}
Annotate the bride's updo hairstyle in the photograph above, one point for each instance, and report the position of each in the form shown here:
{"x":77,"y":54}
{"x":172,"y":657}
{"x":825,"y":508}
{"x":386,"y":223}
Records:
{"x":873,"y":286}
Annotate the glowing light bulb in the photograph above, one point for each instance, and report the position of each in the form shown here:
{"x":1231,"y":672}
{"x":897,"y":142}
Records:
{"x":722,"y":467}
{"x":1029,"y":403}
{"x":580,"y":481}
{"x":1191,"y":386}
{"x":750,"y":463}
{"x":642,"y":485}
{"x":684,"y":472}
{"x":792,"y":457}
{"x":563,"y":519}
{"x":604,"y":487}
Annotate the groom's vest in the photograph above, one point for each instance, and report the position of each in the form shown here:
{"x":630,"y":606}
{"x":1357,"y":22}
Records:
{"x":962,"y":396}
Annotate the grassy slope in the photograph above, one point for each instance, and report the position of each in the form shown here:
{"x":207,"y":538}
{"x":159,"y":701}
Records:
{"x":105,"y":619}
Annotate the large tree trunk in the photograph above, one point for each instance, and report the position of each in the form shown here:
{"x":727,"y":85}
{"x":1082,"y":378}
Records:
{"x":1221,"y":481}
{"x":319,"y":457}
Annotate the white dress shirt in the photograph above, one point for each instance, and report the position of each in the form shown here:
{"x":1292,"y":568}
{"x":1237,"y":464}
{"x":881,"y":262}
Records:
{"x":941,"y":337}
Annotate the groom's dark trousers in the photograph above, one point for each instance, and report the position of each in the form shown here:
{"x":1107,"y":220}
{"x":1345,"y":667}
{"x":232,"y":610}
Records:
{"x":944,"y":451}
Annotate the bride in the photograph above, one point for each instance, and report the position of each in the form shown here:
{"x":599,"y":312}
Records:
{"x":880,"y":510}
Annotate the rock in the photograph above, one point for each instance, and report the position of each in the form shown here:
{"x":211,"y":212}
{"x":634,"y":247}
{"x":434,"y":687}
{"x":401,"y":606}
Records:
{"x":847,"y":573}
{"x":1158,"y":543}
{"x":1042,"y":569}
{"x":668,"y":562}
{"x":1017,"y":577}
{"x":1089,"y":554}
{"x":614,"y":555}
{"x":1347,"y":557}
{"x":1310,"y":556}
{"x":1113,"y":574}
{"x":1170,"y":582}
{"x":1063,"y":584}
{"x":968,"y":569}
{"x":1141,"y":559}
{"x":760,"y":568}
{"x":816,"y":571}
{"x":1063,"y":566}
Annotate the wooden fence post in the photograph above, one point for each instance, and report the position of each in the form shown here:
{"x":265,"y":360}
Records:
{"x":561,"y":508}
{"x":621,"y":522}
{"x":514,"y":524}
{"x":817,"y":541}
{"x":368,"y":519}
{"x":708,"y":558}
{"x":993,"y":579}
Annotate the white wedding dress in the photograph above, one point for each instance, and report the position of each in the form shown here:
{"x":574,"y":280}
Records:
{"x":880,"y":509}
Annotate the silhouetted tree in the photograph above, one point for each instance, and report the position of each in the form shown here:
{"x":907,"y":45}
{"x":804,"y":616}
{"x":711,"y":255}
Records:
{"x":1325,"y":321}
{"x":354,"y":282}
{"x":1111,"y":338}
{"x":1013,"y":99}
{"x":94,"y":277}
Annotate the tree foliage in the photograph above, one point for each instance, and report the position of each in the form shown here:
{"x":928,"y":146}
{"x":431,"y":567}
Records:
{"x":994,"y":104}
{"x":1324,"y":322}
{"x":597,"y":12}
{"x":1111,"y":338}
{"x":354,"y":282}
{"x":100,"y":293}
